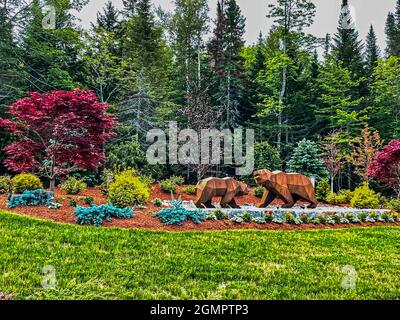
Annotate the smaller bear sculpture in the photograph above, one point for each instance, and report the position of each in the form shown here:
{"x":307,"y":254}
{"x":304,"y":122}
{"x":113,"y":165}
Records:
{"x":226,"y":188}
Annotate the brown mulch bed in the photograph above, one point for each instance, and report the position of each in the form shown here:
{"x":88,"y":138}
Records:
{"x":143,"y":218}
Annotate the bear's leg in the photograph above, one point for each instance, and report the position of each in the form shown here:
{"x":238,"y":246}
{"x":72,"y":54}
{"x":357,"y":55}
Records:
{"x":266,"y":199}
{"x":209,"y":204}
{"x":204,"y":200}
{"x":233,"y":204}
{"x":284,"y":193}
{"x":310,"y":197}
{"x":227,"y":198}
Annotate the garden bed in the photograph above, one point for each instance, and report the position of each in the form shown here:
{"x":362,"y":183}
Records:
{"x":143,"y":218}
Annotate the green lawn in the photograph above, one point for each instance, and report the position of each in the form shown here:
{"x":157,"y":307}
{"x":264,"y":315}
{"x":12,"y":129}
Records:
{"x":100,"y":263}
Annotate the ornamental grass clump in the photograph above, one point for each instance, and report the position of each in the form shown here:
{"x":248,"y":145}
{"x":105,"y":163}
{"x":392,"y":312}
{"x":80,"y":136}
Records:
{"x":95,"y":215}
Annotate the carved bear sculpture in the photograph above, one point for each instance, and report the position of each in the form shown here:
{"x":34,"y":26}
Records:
{"x":289,"y":187}
{"x":227,"y":189}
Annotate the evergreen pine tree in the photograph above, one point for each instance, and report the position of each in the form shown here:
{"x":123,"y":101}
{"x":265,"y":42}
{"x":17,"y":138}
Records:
{"x":109,"y":19}
{"x":231,"y":95}
{"x":52,"y":56}
{"x":372,"y":51}
{"x":144,"y":48}
{"x":347,"y":47}
{"x":129,"y":7}
{"x":392,"y":36}
{"x":306,"y":160}
{"x":253,"y":89}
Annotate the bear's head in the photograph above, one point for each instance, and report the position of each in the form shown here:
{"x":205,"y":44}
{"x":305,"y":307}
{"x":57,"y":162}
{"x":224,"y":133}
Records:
{"x":243,"y":189}
{"x":262,"y":176}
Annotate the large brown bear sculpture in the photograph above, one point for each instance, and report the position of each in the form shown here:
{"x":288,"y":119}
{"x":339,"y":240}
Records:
{"x":289,"y":187}
{"x":227,"y":189}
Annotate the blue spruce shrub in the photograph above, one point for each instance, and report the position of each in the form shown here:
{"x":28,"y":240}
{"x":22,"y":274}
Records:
{"x":178,"y":214}
{"x":31,"y":198}
{"x":95,"y":215}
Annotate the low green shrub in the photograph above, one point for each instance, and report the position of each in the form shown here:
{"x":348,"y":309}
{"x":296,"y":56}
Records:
{"x":322,"y":190}
{"x":365,"y":198}
{"x":247,"y":217}
{"x":268,"y":217}
{"x":291,"y":219}
{"x":25,"y":181}
{"x":88,"y":200}
{"x":128,"y":190}
{"x":5,"y":184}
{"x":344,"y":196}
{"x":304,"y":218}
{"x":190,"y":190}
{"x":394,"y":205}
{"x":177,"y":214}
{"x":95,"y":215}
{"x":73,"y":203}
{"x":73,"y":186}
{"x":177,"y":180}
{"x":31,"y":198}
{"x":157,"y":203}
{"x":220,"y":215}
{"x":168,"y":186}
{"x":258,"y":192}
{"x":107,"y":177}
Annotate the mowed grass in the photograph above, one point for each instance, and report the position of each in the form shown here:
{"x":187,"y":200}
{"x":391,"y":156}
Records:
{"x":100,"y":263}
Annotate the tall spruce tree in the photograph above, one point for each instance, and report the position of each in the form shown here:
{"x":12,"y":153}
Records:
{"x":392,"y":32}
{"x":226,"y":62}
{"x":348,"y":49}
{"x":231,"y":96}
{"x":144,"y":47}
{"x":108,"y":20}
{"x":372,"y":51}
{"x":253,"y":88}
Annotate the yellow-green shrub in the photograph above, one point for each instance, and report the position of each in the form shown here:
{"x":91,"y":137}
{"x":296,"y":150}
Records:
{"x":344,"y":196}
{"x":5,"y":184}
{"x":127,"y":190}
{"x":365,"y":198}
{"x":25,"y":181}
{"x":190,"y":190}
{"x":322,"y":190}
{"x":73,"y":186}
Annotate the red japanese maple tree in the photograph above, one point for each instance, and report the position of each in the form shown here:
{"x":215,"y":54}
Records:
{"x":57,"y":132}
{"x":386,"y":166}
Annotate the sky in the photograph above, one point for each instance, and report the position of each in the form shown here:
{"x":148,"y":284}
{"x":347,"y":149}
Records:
{"x":366,"y":12}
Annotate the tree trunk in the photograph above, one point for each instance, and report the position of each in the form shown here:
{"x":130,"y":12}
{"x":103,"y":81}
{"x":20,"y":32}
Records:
{"x":52,"y":184}
{"x":332,"y":183}
{"x":281,"y":97}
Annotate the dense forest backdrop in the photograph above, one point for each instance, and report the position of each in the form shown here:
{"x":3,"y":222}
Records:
{"x":154,"y":66}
